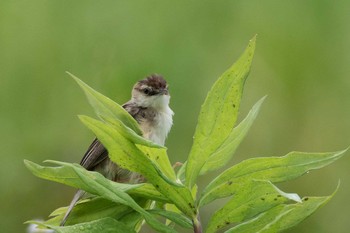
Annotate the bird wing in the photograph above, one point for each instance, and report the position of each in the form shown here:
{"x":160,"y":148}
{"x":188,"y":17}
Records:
{"x":95,"y":154}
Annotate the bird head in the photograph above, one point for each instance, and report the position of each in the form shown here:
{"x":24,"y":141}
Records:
{"x":151,"y":92}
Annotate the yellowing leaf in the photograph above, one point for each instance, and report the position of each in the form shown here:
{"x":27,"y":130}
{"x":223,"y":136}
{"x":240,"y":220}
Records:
{"x":275,"y":169}
{"x":218,"y":114}
{"x":252,"y":198}
{"x":224,"y":153}
{"x":281,"y":217}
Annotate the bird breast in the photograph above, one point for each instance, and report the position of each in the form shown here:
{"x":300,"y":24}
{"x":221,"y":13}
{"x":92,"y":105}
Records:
{"x":156,"y":124}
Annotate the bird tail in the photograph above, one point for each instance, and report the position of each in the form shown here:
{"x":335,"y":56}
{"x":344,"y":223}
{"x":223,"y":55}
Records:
{"x":76,"y":198}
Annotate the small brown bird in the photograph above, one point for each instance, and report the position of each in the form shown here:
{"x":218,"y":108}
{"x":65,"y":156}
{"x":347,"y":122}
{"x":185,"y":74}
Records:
{"x":149,"y":105}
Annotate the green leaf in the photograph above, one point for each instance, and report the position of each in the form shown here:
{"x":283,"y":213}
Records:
{"x":161,"y":159}
{"x":281,"y":217}
{"x":252,"y":198}
{"x":106,"y":225}
{"x":172,"y":208}
{"x":94,"y":183}
{"x":148,"y":191}
{"x":218,"y":114}
{"x":155,"y":152}
{"x":275,"y":169}
{"x":104,"y":106}
{"x":135,"y":219}
{"x":177,"y":218}
{"x":76,"y":176}
{"x":89,"y":210}
{"x":129,"y":156}
{"x":224,"y":153}
{"x":129,"y":133}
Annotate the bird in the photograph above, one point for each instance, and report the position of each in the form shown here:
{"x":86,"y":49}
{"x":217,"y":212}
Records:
{"x":149,"y":106}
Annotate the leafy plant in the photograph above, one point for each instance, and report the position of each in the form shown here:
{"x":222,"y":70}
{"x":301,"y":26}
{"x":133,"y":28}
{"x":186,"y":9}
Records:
{"x":255,"y":204}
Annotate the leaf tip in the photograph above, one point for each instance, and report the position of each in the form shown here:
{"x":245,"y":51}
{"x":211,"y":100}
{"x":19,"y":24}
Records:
{"x":339,"y":154}
{"x":345,"y":150}
{"x":252,"y":41}
{"x":86,"y":120}
{"x":261,"y":101}
{"x":70,"y":74}
{"x":82,"y":117}
{"x":81,"y":83}
{"x":27,"y":163}
{"x":334,"y":192}
{"x":254,"y":38}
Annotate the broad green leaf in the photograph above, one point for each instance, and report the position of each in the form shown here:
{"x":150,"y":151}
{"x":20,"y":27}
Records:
{"x":281,"y":217}
{"x":95,"y":208}
{"x":71,"y":174}
{"x":169,"y":207}
{"x":161,"y":159}
{"x":129,"y":133}
{"x":96,"y":184}
{"x":104,"y":106}
{"x":154,"y":151}
{"x":172,"y":208}
{"x":224,"y":153}
{"x":218,"y":114}
{"x":126,"y":150}
{"x":106,"y":225}
{"x":89,"y":210}
{"x":127,"y":155}
{"x":135,"y":219}
{"x":252,"y":198}
{"x":175,"y":217}
{"x":148,"y":191}
{"x":275,"y":169}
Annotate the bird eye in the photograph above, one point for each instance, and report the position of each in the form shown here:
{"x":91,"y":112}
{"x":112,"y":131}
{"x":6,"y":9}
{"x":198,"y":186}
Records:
{"x":146,"y":91}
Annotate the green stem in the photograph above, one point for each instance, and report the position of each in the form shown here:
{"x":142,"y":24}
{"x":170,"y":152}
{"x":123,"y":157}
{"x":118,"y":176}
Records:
{"x":197,"y":225}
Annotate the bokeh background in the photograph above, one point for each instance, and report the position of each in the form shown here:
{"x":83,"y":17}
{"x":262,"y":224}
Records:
{"x":301,"y":62}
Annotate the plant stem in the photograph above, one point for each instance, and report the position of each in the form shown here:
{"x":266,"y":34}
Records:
{"x":197,"y":225}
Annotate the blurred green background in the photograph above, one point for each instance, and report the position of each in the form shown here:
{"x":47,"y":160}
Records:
{"x":301,"y":62}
